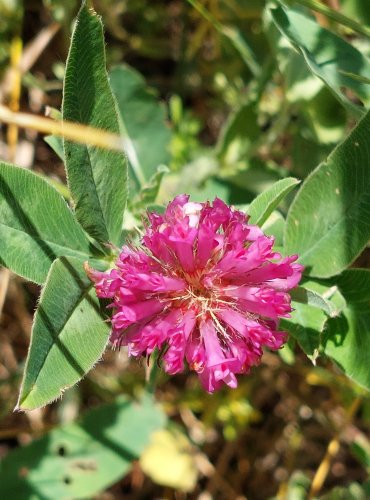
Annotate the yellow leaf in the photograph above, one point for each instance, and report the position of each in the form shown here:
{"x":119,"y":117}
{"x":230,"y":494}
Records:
{"x":169,"y":460}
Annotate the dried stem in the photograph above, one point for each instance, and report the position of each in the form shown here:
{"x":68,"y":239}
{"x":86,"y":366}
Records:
{"x":12,"y":132}
{"x":4,"y":282}
{"x":29,"y":56}
{"x":331,"y":451}
{"x":233,"y":35}
{"x":69,"y":130}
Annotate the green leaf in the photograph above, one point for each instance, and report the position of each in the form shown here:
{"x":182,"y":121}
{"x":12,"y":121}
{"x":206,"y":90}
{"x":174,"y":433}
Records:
{"x":300,"y":84}
{"x":304,"y":146}
{"x":197,"y":180}
{"x":69,"y":335}
{"x":304,"y":296}
{"x":36,"y":225}
{"x":328,"y":223}
{"x":238,"y":136}
{"x":81,"y":460}
{"x":274,"y":226}
{"x":149,"y":192}
{"x":170,"y":460}
{"x":352,"y":491}
{"x":306,"y":325}
{"x":327,"y":298}
{"x":298,"y":486}
{"x":347,"y":337}
{"x":245,"y":51}
{"x":258,"y":177}
{"x":265,"y":203}
{"x":356,"y":9}
{"x":330,"y":59}
{"x":359,"y":78}
{"x":354,"y":284}
{"x":145,"y":133}
{"x":360,"y":448}
{"x":56,"y":144}
{"x":326,"y":120}
{"x":97,"y":178}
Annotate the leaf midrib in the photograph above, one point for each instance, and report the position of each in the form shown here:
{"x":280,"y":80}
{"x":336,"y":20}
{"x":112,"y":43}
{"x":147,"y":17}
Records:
{"x":60,"y":330}
{"x":38,"y":238}
{"x":84,"y":147}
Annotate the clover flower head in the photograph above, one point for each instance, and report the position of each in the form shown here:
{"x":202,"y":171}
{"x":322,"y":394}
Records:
{"x":203,"y":287}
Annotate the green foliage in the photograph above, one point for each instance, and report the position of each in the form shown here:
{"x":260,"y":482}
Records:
{"x":344,"y":336}
{"x":96,"y":177}
{"x":69,"y":335}
{"x":264,"y":204}
{"x":82,"y":458}
{"x":347,"y":337}
{"x":298,"y":486}
{"x":311,"y":297}
{"x":361,"y":450}
{"x":274,"y":226}
{"x":353,"y":491}
{"x":357,"y":9}
{"x":184,"y":144}
{"x":234,"y":36}
{"x":238,"y":136}
{"x":11,"y":18}
{"x":145,"y":134}
{"x":328,"y":56}
{"x":36,"y":225}
{"x":306,"y":325}
{"x":56,"y":144}
{"x":333,"y":203}
{"x":149,"y":191}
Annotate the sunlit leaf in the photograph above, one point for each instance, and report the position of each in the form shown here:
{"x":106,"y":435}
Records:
{"x":56,"y":144}
{"x":145,"y":133}
{"x":328,"y":223}
{"x":238,"y":136}
{"x":346,"y":338}
{"x":69,"y":335}
{"x":36,"y":225}
{"x":149,"y":191}
{"x":306,"y":325}
{"x":81,"y":460}
{"x":265,"y":203}
{"x":325,"y":297}
{"x":330,"y":59}
{"x":97,"y":178}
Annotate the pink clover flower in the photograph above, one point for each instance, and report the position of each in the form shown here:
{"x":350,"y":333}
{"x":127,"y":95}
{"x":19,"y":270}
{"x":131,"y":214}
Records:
{"x":204,"y":287}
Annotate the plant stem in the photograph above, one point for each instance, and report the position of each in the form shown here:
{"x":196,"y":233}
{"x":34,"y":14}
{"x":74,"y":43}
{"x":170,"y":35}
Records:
{"x":234,"y":36}
{"x":334,"y":15}
{"x":16,"y":48}
{"x":77,"y":132}
{"x":152,"y":373}
{"x":331,"y":451}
